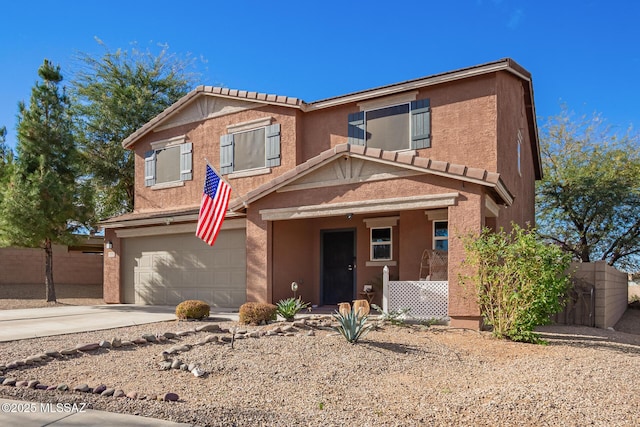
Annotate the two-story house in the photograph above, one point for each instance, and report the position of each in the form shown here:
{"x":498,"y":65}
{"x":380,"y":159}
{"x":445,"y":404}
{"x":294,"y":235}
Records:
{"x":325,"y":193}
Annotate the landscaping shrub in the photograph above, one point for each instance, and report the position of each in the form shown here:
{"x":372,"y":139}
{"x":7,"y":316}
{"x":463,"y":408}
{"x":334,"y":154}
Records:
{"x":289,"y":307}
{"x":352,"y":325}
{"x":192,"y":309}
{"x":255,"y":313}
{"x":519,"y":280}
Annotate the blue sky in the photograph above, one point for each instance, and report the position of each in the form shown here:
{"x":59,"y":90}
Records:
{"x":583,"y":53}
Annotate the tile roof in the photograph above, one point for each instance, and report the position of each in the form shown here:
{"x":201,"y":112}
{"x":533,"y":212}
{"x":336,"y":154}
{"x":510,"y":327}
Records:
{"x":505,"y":64}
{"x":405,"y":160}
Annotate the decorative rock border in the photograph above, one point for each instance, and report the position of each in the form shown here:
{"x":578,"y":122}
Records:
{"x":169,"y":362}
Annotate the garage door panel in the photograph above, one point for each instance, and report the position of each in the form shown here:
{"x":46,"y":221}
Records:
{"x":169,"y":269}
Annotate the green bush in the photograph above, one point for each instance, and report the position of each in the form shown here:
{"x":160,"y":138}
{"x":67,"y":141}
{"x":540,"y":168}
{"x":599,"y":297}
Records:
{"x":352,"y":325}
{"x":255,"y":313}
{"x":519,"y":280}
{"x":289,"y":307}
{"x":192,"y":309}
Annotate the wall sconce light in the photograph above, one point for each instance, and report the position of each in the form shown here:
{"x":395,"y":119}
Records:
{"x":294,"y":288}
{"x":108,"y":245}
{"x":349,"y":215}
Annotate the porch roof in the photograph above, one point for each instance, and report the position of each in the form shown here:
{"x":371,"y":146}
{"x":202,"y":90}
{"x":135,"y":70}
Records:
{"x":404,"y":160}
{"x":146,"y":218}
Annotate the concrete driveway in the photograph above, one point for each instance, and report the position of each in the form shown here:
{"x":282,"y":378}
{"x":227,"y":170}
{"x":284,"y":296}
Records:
{"x":43,"y":322}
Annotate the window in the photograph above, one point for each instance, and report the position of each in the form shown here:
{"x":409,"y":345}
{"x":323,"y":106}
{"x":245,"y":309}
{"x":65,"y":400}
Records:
{"x":519,"y":152}
{"x":381,"y":248}
{"x":169,"y":162}
{"x":398,"y":127}
{"x":250,"y":149}
{"x":441,"y":235}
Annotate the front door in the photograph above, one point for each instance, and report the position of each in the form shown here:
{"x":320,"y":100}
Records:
{"x":338,"y":266}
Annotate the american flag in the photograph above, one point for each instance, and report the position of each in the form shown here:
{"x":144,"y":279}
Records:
{"x":213,"y":207}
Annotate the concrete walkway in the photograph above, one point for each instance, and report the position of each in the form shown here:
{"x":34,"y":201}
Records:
{"x":32,"y":414}
{"x":48,"y":321}
{"x":41,"y":322}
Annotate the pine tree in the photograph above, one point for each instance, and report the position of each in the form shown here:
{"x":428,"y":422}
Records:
{"x":41,"y":204}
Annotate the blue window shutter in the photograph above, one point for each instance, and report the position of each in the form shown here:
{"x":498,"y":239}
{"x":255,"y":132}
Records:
{"x":226,"y":154}
{"x":272,"y":135}
{"x":356,"y":128}
{"x":149,"y":168}
{"x":420,"y":124}
{"x":186,"y":161}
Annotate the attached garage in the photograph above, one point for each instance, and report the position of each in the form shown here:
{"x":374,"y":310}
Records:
{"x":170,"y":268}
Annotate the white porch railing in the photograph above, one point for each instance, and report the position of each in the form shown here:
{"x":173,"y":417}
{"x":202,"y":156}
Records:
{"x":425,"y":299}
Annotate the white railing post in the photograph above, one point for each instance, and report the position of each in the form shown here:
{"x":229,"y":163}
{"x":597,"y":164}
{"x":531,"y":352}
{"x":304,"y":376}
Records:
{"x":385,"y":289}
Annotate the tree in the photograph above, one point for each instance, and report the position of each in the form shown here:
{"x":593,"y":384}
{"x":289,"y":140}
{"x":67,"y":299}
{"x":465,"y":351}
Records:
{"x":588,"y":202}
{"x":520,"y":281}
{"x":6,"y":160}
{"x":41,"y":204}
{"x":115,"y":96}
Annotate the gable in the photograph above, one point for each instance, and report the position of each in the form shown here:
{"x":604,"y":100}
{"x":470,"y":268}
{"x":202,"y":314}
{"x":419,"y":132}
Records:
{"x":347,"y":170}
{"x":205,"y":107}
{"x":362,"y":163}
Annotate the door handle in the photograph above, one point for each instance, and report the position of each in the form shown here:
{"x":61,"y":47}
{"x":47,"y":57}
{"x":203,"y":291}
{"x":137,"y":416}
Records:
{"x":350,"y":267}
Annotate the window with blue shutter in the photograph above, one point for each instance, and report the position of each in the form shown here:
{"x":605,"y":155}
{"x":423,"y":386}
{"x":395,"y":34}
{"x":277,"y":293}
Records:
{"x":168,"y":163}
{"x":186,"y":161}
{"x":420,"y":124}
{"x":253,"y":149}
{"x":149,"y":168}
{"x":226,"y":154}
{"x":393,"y":128}
{"x":273,"y":145}
{"x":356,"y":128}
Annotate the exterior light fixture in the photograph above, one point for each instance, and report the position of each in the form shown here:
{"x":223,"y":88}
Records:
{"x":294,"y":288}
{"x":109,"y":245}
{"x":349,"y":215}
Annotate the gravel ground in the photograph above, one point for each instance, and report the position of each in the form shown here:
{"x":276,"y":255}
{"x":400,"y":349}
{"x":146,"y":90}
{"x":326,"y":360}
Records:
{"x":395,"y":376}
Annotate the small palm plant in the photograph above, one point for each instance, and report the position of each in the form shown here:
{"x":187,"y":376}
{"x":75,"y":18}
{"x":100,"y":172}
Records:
{"x":289,"y":307}
{"x":352,"y":325}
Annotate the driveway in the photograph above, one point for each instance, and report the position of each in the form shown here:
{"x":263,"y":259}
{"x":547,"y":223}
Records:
{"x":42,"y":322}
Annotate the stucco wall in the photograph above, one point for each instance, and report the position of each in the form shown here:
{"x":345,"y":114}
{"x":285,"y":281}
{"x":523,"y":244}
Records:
{"x":205,"y":137}
{"x":511,"y":118}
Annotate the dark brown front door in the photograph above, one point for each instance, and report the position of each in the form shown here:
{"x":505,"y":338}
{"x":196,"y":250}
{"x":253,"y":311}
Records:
{"x":338,"y":266}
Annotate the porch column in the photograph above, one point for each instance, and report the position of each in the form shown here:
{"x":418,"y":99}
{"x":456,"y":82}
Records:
{"x":464,"y":218}
{"x":258,"y":258}
{"x":112,"y":285}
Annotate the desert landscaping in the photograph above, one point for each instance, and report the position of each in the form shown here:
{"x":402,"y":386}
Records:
{"x":306,"y":374}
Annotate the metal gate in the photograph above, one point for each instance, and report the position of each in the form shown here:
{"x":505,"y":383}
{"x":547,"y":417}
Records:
{"x":579,"y":306}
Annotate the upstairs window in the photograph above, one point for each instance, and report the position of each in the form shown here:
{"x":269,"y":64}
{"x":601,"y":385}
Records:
{"x":169,"y":162}
{"x":519,"y":145}
{"x":394,"y":128}
{"x":251,"y":149}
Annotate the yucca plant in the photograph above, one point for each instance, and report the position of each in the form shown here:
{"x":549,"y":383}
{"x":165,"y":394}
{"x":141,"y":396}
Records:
{"x":352,"y":325}
{"x":289,"y":307}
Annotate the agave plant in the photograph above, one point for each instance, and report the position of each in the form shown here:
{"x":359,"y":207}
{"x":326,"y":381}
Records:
{"x":289,"y":307}
{"x":352,"y":325}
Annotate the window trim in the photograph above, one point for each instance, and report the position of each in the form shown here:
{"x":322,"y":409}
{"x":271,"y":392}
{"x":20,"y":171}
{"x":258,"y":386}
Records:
{"x":185,"y":162}
{"x":419,"y":116}
{"x":272,"y":147}
{"x":519,"y":148}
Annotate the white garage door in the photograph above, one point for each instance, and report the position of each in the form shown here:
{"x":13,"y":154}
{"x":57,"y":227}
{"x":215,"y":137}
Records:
{"x":168,"y":269}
